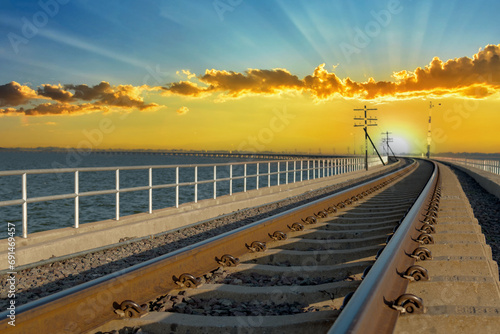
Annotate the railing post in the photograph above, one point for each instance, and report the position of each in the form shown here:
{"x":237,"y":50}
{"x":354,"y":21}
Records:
{"x":196,"y":184}
{"x":150,"y":190}
{"x":215,"y":182}
{"x":25,"y":205}
{"x":308,"y":170}
{"x":244,"y":178}
{"x":268,"y":174}
{"x":294,"y":171}
{"x":117,"y":177}
{"x":176,"y":187}
{"x":230,"y":179}
{"x":257,"y":177}
{"x":278,"y":163}
{"x":77,"y":201}
{"x":286,"y":171}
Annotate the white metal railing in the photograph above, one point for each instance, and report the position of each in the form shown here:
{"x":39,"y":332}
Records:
{"x":492,"y":166}
{"x":294,"y":171}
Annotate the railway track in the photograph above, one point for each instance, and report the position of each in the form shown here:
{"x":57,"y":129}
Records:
{"x":293,"y":272}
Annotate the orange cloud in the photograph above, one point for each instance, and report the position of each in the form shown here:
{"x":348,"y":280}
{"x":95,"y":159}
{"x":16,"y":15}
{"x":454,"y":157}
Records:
{"x":72,"y":99}
{"x":185,"y":88}
{"x":182,"y":110}
{"x":467,"y":77}
{"x":253,"y":81}
{"x":55,"y":109}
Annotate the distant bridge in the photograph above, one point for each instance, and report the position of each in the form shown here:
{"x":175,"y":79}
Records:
{"x":222,"y":154}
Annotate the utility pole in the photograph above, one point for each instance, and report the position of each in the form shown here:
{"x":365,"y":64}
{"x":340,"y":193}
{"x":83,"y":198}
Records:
{"x":386,"y":141}
{"x":367,"y":122}
{"x":429,"y":137}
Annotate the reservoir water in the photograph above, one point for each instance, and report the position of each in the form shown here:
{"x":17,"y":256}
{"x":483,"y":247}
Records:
{"x":60,"y":213}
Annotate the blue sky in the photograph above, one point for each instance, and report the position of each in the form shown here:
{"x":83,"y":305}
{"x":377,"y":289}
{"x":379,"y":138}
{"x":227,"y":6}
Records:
{"x":123,"y":41}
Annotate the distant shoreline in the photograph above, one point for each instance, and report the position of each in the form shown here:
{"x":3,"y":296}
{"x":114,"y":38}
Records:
{"x":470,"y":155}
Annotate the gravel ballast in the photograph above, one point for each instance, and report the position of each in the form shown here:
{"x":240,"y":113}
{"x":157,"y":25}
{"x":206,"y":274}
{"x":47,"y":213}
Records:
{"x":39,"y":281}
{"x":486,"y":209}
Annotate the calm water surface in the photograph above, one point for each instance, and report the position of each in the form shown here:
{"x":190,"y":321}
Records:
{"x":60,"y":213}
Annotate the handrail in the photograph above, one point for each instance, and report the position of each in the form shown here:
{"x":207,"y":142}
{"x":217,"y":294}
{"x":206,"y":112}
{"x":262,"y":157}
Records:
{"x":304,"y":167}
{"x":492,"y":166}
{"x":139,"y":167}
{"x":368,"y":310}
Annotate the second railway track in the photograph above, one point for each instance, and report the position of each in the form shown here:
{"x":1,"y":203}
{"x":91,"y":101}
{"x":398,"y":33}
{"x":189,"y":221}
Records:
{"x":288,"y":273}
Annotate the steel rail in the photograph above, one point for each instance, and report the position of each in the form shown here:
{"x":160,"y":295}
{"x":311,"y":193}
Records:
{"x":369,"y":309}
{"x":89,"y":305}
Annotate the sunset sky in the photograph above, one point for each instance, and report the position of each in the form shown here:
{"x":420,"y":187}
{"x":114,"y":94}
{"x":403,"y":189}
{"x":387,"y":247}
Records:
{"x":249,"y":75}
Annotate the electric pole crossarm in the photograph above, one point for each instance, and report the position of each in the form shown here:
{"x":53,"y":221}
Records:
{"x":366,"y":119}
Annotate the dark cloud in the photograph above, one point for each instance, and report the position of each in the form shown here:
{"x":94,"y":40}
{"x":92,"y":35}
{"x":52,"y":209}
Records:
{"x":253,"y":81}
{"x":14,"y":94}
{"x":87,"y":93}
{"x":54,"y":109}
{"x":185,"y":88}
{"x":55,"y":93}
{"x":126,"y":96}
{"x":72,"y":99}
